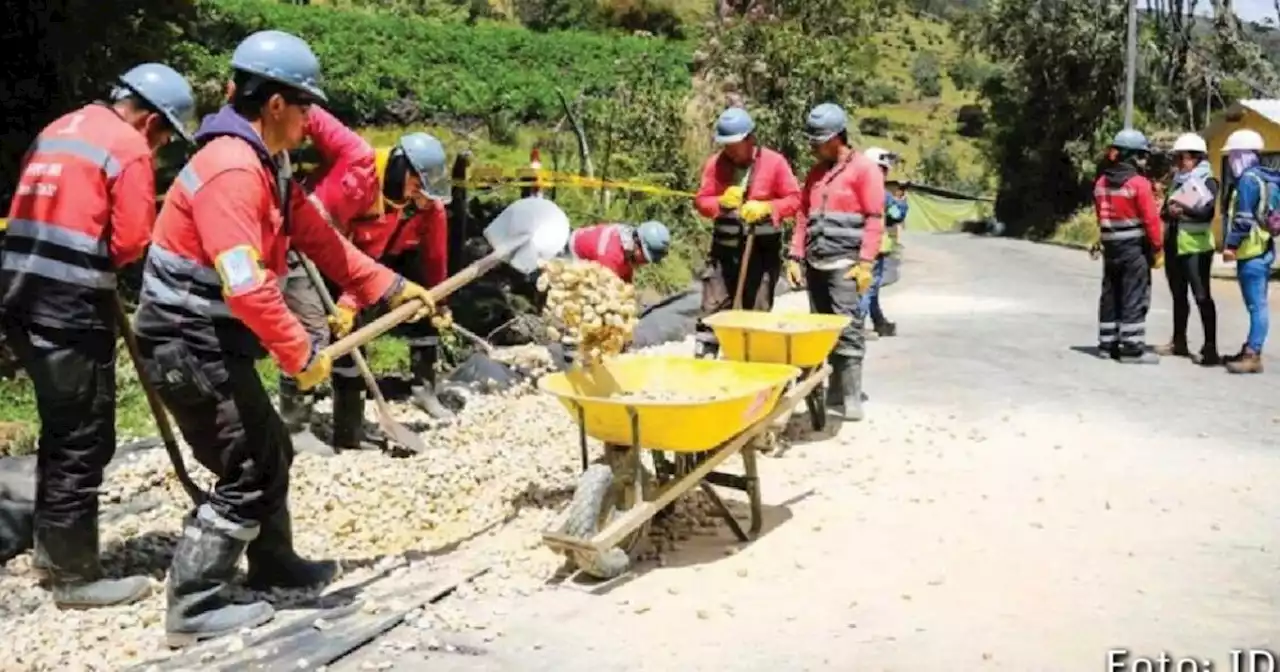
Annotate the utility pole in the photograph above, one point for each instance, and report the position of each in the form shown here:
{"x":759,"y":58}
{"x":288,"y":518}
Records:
{"x":1131,"y":64}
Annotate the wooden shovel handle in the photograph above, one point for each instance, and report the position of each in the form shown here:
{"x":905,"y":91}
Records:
{"x":401,"y":314}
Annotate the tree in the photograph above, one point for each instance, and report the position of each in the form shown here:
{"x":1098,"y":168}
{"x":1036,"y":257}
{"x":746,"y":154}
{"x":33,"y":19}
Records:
{"x":927,"y":74}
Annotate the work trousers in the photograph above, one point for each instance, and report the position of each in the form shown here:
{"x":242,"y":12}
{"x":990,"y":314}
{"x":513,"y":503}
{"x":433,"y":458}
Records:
{"x":831,"y":293}
{"x":720,"y":280}
{"x":1126,"y":295}
{"x":1189,"y":274}
{"x":226,"y":416}
{"x":1254,"y":277}
{"x":74,"y":375}
{"x":304,"y":302}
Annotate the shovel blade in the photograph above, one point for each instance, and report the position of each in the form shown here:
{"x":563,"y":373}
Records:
{"x":532,"y":230}
{"x":397,"y":432}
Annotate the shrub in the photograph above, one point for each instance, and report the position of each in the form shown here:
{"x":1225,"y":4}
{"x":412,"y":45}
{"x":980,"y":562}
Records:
{"x":874,"y":126}
{"x":927,"y":75}
{"x":969,"y":74}
{"x":970,"y":120}
{"x":881,"y":93}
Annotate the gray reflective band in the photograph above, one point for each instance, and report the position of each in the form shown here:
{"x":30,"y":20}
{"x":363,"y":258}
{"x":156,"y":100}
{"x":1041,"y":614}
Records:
{"x":85,"y":150}
{"x":207,"y":515}
{"x":178,"y":264}
{"x":835,"y":231}
{"x":157,"y":291}
{"x":48,"y":233}
{"x":189,"y":180}
{"x":22,"y":262}
{"x":1109,"y":235}
{"x":1131,"y":329}
{"x":847,"y":219}
{"x":1115,"y":224}
{"x":1195,"y":227}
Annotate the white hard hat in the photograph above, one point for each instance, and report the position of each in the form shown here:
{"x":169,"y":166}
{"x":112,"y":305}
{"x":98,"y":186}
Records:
{"x":1190,"y":142}
{"x":882,"y":157}
{"x":1243,"y":140}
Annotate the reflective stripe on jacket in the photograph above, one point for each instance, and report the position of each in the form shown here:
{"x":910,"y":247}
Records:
{"x":83,"y":208}
{"x":841,"y":211}
{"x":771,"y":180}
{"x":610,"y":245}
{"x":1127,"y":211}
{"x":426,"y":231}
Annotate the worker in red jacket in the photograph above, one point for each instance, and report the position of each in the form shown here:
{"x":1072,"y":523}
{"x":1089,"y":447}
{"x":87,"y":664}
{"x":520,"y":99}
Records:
{"x":621,"y":248}
{"x":837,"y":239}
{"x":1131,"y":240}
{"x":83,"y":209}
{"x":211,"y":303}
{"x":745,"y":189}
{"x":344,"y":187}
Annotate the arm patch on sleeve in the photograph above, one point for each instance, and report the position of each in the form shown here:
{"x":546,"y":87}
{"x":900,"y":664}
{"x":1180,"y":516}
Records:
{"x":239,"y":269}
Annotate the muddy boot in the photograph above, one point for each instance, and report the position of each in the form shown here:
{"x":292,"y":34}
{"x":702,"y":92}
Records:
{"x":1177,"y":348}
{"x":835,"y":385}
{"x":422,"y":366}
{"x":204,"y":564}
{"x":69,"y":558}
{"x":348,"y":416}
{"x":295,"y":405}
{"x":1249,"y":362}
{"x":274,"y":564}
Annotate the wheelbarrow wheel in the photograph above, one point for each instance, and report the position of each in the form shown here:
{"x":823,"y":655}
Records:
{"x":592,"y":507}
{"x":816,"y":402}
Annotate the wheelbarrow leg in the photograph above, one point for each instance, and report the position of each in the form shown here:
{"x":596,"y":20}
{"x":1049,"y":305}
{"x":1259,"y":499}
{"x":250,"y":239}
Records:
{"x":751,"y":477}
{"x":724,"y":511}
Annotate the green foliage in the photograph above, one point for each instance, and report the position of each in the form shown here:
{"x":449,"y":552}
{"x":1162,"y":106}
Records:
{"x":881,"y":93}
{"x":874,"y":126}
{"x":937,"y":167}
{"x":557,"y":14}
{"x":969,"y":74}
{"x":927,"y":74}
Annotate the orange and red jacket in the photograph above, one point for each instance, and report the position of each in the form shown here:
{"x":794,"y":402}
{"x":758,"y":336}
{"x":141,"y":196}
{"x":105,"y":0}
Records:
{"x":610,"y":245}
{"x":425,"y":230}
{"x":841,"y":211}
{"x":220,"y":244}
{"x":83,"y":208}
{"x":347,"y":182}
{"x":771,"y":180}
{"x":1126,"y":208}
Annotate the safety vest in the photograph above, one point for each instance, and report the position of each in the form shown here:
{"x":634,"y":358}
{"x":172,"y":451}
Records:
{"x":837,"y":217}
{"x":1257,"y":241}
{"x":610,"y":245}
{"x":894,"y":214}
{"x":1117,"y":212}
{"x":1193,"y":237}
{"x":58,"y":262}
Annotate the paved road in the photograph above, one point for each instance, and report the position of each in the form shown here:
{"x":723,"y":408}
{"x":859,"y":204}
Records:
{"x":1012,"y":503}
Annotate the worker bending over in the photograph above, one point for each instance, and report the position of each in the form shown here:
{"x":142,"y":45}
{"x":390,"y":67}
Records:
{"x":621,"y":248}
{"x":895,"y":213}
{"x":747,"y":190}
{"x":83,"y":209}
{"x":1248,"y":240}
{"x":837,"y":238}
{"x":210,"y":305}
{"x":1189,"y":232}
{"x":1129,"y":225}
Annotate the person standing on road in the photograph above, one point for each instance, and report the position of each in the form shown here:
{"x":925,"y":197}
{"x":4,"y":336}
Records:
{"x":746,"y":189}
{"x":1129,"y":223}
{"x":1248,"y":240}
{"x":621,"y":248}
{"x":1189,"y":232}
{"x":895,"y":213}
{"x":837,"y":238}
{"x":83,"y":210}
{"x":211,"y":303}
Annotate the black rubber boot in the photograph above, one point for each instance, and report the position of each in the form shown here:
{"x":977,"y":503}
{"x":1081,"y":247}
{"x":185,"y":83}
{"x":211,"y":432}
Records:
{"x":835,"y":385}
{"x":422,"y":365}
{"x":204,"y":564}
{"x":887,"y":329}
{"x":348,"y":415}
{"x":852,"y":391}
{"x":69,"y":558}
{"x":295,"y":405}
{"x":274,"y":564}
{"x":1129,"y":353}
{"x":706,"y":350}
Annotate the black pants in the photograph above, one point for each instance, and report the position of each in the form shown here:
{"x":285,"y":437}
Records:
{"x":831,"y":293}
{"x":75,"y":382}
{"x":1190,"y":273}
{"x":226,"y":416}
{"x":1126,"y":295}
{"x":720,"y":280}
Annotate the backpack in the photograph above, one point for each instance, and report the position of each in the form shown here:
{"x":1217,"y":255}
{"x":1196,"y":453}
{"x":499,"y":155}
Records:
{"x":1269,"y":200}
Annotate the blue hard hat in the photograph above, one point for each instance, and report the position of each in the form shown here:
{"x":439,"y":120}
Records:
{"x":825,"y":122}
{"x":164,"y":89}
{"x":426,"y":156}
{"x":280,"y":57}
{"x":655,"y":240}
{"x":734,"y":125}
{"x":1132,"y":140}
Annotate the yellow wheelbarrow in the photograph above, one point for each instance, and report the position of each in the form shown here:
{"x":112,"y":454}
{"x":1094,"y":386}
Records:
{"x":799,"y":339}
{"x":690,"y":415}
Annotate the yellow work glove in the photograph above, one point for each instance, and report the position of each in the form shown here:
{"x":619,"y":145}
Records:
{"x":443,"y":319}
{"x":795,"y":274}
{"x":754,"y":211}
{"x":319,"y":368}
{"x":412,"y":291}
{"x":860,"y":274}
{"x":731,"y":199}
{"x":1158,"y":262}
{"x":342,"y":321}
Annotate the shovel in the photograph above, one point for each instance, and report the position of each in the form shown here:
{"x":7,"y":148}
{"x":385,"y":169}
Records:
{"x":157,"y":408}
{"x":398,"y":432}
{"x":527,"y":232}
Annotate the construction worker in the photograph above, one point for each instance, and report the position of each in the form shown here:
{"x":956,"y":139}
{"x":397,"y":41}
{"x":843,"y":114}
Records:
{"x":895,"y":212}
{"x":1248,"y":240}
{"x":345,"y":186}
{"x":1129,"y":224}
{"x":621,"y":248}
{"x":837,"y":239}
{"x":1189,"y":232}
{"x":83,"y":209}
{"x":211,"y":304}
{"x":407,"y":229}
{"x":746,"y":189}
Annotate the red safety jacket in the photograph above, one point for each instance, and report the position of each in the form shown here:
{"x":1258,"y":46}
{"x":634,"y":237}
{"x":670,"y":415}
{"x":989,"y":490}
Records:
{"x":347,"y":182}
{"x":221,"y":242}
{"x":769,"y":179}
{"x":841,"y":211}
{"x":83,"y":208}
{"x":1126,"y":208}
{"x":610,"y":245}
{"x":425,"y":230}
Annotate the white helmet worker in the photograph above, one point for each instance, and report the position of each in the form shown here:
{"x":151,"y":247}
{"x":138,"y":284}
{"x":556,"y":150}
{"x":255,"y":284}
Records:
{"x":882,"y":157}
{"x":1243,"y":140}
{"x":1190,"y":142}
